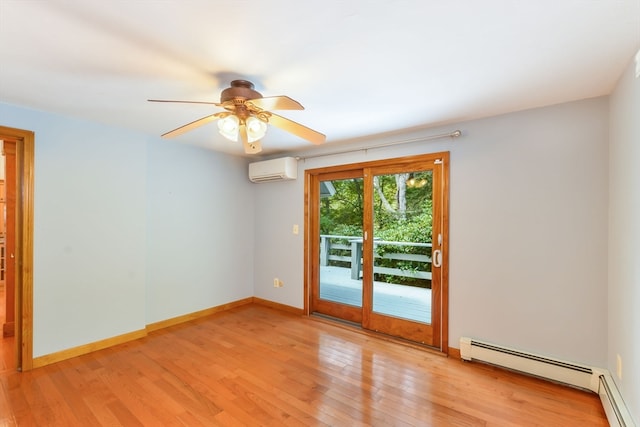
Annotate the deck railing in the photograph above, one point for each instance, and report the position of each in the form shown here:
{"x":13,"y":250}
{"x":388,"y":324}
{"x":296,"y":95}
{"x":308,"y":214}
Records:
{"x":348,"y":250}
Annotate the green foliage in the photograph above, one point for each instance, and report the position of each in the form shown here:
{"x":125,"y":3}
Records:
{"x":343,"y":210}
{"x":402,"y":213}
{"x":416,"y":228}
{"x":348,"y":230}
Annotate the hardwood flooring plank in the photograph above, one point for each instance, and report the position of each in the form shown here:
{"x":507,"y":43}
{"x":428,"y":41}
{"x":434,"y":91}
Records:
{"x":276,"y":403}
{"x":68,"y":392}
{"x":142,"y":402}
{"x":256,"y":366}
{"x":299,"y":405}
{"x":100,"y":408}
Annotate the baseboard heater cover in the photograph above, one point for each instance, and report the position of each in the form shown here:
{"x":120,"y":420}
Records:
{"x":617,"y":413}
{"x":594,"y":379}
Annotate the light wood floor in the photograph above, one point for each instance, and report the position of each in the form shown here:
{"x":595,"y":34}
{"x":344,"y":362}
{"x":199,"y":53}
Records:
{"x":254,"y":366}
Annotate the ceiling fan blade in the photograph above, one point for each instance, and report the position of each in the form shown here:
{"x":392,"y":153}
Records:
{"x":270,"y":103}
{"x":249,"y":147}
{"x":185,"y":102}
{"x":297,"y":129}
{"x":193,"y":125}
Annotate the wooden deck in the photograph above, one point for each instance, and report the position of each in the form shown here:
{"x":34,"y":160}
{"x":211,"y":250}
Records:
{"x":407,"y":302}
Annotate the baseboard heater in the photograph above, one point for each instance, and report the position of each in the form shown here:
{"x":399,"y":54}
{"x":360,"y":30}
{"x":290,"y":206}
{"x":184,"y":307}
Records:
{"x":594,"y":379}
{"x":614,"y":406}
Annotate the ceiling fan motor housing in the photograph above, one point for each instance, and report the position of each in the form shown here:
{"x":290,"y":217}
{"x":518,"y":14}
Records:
{"x":240,"y":89}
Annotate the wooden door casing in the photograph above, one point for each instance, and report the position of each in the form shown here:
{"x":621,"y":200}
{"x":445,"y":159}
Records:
{"x":24,"y":203}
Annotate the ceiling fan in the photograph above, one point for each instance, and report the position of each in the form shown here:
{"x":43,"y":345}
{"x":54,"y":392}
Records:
{"x":246,"y":115}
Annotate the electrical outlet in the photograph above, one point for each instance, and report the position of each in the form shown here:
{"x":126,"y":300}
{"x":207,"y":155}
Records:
{"x":277,"y":283}
{"x":296,"y":229}
{"x":619,"y":366}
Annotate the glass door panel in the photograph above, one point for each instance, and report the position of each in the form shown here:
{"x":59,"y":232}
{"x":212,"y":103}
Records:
{"x":402,"y":227}
{"x":341,"y":241}
{"x":339,"y":255}
{"x":403,"y":214}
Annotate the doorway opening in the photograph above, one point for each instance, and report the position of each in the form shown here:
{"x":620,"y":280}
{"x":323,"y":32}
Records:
{"x":377,"y":246}
{"x":17,"y":291}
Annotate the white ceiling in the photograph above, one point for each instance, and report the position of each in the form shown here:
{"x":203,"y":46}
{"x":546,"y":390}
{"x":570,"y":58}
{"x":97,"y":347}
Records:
{"x":360,"y":67}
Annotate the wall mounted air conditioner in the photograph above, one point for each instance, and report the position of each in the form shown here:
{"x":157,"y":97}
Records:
{"x":285,"y":168}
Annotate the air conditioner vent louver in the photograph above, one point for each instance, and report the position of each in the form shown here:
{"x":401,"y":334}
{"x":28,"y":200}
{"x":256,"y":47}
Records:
{"x":278,"y":177}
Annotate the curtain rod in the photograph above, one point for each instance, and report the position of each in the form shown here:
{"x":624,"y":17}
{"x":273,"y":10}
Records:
{"x":454,"y":134}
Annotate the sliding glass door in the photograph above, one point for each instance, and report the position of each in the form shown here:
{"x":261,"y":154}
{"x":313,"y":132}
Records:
{"x":378,"y":245}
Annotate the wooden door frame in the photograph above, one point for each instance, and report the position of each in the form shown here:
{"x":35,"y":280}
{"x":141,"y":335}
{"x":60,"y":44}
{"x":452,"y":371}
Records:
{"x":309,"y":224}
{"x":25,"y":153}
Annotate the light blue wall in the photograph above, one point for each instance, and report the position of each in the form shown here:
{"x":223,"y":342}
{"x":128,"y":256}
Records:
{"x":89,"y":229}
{"x":624,"y":238}
{"x":130,"y":229}
{"x":278,"y":252}
{"x":528,"y":233}
{"x":200,"y":230}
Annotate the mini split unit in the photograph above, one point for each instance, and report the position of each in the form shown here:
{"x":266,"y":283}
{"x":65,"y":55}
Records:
{"x":285,"y":168}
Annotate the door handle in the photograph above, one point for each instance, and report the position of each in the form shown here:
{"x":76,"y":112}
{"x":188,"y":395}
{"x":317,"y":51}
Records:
{"x":437,"y":258}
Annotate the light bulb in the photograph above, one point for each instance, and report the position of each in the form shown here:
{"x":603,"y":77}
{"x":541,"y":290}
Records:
{"x":228,"y":127}
{"x":256,"y":128}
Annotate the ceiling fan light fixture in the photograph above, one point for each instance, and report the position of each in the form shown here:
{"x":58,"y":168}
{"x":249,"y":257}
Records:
{"x":256,"y":128}
{"x":229,"y":126}
{"x":247,"y":116}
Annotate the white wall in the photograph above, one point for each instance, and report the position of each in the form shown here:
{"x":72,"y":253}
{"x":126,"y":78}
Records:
{"x":200,"y":230}
{"x":528,"y":233}
{"x":624,"y":238}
